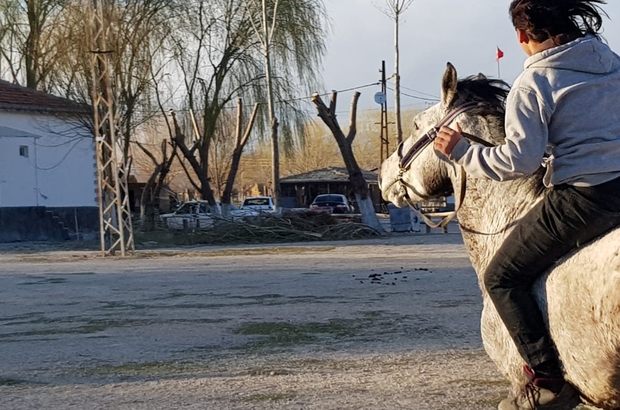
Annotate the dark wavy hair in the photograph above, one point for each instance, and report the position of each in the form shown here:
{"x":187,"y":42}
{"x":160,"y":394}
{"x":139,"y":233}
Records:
{"x":560,"y":20}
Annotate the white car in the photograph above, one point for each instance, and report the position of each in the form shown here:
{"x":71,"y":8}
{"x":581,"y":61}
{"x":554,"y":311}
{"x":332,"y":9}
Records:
{"x":197,"y":214}
{"x":258,"y":204}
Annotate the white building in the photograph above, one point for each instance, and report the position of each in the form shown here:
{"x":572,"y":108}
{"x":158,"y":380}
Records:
{"x":47,"y":166}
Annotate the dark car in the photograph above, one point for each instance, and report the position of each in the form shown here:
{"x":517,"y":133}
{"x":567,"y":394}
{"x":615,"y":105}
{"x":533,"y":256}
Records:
{"x":334,"y":203}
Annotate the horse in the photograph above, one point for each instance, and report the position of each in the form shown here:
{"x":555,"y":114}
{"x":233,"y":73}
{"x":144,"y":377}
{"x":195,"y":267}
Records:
{"x":579,"y":296}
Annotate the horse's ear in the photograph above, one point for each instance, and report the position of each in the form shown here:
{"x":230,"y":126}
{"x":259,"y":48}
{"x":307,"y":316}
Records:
{"x":448,"y":85}
{"x":481,"y":77}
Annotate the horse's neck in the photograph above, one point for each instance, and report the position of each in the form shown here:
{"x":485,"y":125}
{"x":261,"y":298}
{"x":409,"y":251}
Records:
{"x":488,"y":213}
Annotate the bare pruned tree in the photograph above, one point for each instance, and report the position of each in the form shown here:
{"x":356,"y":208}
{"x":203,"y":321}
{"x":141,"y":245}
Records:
{"x":242,"y":134}
{"x":345,"y":143}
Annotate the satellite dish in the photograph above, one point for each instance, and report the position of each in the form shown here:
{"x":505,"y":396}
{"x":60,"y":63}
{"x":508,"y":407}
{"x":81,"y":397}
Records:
{"x":380,"y":98}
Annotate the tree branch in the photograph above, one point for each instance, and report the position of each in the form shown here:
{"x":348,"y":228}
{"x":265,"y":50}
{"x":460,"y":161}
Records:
{"x":248,"y":129}
{"x":332,"y":103}
{"x":353,"y":118}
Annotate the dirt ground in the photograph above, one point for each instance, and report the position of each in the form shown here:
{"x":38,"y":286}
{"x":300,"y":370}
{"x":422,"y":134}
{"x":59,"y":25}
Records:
{"x":389,"y":323}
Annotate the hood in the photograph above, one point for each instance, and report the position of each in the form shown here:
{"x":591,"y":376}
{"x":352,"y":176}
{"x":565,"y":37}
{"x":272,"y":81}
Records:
{"x":587,"y":54}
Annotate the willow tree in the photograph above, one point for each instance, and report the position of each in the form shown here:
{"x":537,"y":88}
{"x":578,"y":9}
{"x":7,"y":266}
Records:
{"x":221,"y":58}
{"x":291,"y":36}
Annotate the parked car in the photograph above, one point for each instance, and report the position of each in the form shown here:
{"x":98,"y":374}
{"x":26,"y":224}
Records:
{"x":258,"y":204}
{"x":334,"y":203}
{"x":193,"y":214}
{"x":198,"y":214}
{"x":439,"y":204}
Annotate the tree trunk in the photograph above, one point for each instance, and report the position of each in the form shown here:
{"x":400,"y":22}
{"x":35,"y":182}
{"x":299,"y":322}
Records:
{"x":240,"y":142}
{"x":147,"y":214}
{"x":345,"y":143}
{"x":149,"y":200}
{"x":275,"y":149}
{"x":32,"y":44}
{"x":205,"y":188}
{"x":399,"y":124}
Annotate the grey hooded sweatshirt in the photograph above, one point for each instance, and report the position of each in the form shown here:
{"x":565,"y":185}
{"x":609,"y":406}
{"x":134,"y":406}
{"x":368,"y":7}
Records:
{"x":566,"y":103}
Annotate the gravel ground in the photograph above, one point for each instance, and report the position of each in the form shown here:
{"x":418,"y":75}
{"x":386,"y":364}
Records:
{"x":390,"y":323}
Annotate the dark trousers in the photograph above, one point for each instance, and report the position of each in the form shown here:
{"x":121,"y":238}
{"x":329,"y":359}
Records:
{"x":567,"y":218}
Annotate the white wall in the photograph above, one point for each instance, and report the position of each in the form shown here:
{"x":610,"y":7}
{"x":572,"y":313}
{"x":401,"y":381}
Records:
{"x":59,"y":170}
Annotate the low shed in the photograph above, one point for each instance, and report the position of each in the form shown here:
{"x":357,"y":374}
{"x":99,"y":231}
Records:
{"x":298,"y":191}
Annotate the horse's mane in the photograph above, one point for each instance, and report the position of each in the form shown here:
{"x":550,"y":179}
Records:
{"x":491,"y":95}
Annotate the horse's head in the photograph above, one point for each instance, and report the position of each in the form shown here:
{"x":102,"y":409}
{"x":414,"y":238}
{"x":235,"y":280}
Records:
{"x":429,"y":175}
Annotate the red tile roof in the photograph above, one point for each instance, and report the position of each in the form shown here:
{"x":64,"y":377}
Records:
{"x":16,"y":97}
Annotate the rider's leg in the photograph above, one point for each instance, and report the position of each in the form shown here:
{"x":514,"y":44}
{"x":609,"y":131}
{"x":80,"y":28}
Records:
{"x":565,"y":219}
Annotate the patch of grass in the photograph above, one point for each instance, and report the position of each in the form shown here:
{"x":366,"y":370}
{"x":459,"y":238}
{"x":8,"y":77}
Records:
{"x":172,"y":295}
{"x":454,"y":303}
{"x":154,"y":239}
{"x":99,"y":325}
{"x":268,"y":397}
{"x":375,"y":314}
{"x":312,"y":299}
{"x":144,"y":369}
{"x":45,"y":281}
{"x":203,"y":321}
{"x":25,"y":316}
{"x":285,"y":334}
{"x":123,"y":305}
{"x":93,"y":326}
{"x":268,"y":296}
{"x":6,"y":381}
{"x":72,"y":273}
{"x":267,"y":299}
{"x":41,"y":320}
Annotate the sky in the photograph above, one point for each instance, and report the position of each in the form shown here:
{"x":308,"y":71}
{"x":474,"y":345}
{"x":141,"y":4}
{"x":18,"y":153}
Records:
{"x":433,"y":32}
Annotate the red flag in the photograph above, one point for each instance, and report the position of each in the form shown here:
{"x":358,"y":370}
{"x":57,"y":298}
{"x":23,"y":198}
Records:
{"x":498,"y":54}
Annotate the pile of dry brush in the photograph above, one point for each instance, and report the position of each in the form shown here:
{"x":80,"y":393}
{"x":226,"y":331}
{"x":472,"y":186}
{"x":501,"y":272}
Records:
{"x":289,"y":227}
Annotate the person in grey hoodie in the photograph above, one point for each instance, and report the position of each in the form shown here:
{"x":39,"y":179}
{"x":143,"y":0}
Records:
{"x":562,"y":111}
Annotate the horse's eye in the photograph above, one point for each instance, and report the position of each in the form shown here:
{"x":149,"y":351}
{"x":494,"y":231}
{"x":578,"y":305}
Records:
{"x":416,"y":126}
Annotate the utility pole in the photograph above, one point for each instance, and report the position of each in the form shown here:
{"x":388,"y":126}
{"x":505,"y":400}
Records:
{"x":385,"y":141}
{"x":114,"y":212}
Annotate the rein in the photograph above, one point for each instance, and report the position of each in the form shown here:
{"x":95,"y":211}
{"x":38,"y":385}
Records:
{"x":419,"y":145}
{"x":407,"y":159}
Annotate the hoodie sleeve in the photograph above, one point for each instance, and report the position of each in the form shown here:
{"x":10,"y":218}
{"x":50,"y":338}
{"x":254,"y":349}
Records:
{"x":521,"y":154}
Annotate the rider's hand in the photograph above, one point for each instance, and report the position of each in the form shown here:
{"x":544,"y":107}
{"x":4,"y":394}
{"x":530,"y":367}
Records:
{"x":447,"y":138}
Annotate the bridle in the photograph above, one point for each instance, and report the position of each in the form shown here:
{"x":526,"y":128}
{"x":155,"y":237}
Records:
{"x":406,"y":159}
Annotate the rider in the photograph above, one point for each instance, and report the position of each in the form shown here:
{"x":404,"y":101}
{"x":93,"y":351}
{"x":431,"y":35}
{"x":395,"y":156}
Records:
{"x":566,"y":103}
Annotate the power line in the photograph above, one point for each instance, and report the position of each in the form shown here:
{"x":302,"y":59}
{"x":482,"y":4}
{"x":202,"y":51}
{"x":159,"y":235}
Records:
{"x":419,"y":92}
{"x":359,"y":87}
{"x":416,"y":97}
{"x":65,"y":143}
{"x":59,"y":162}
{"x":230,"y":107}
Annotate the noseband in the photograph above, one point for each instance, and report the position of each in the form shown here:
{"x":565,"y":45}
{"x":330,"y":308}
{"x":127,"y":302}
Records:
{"x":407,"y":159}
